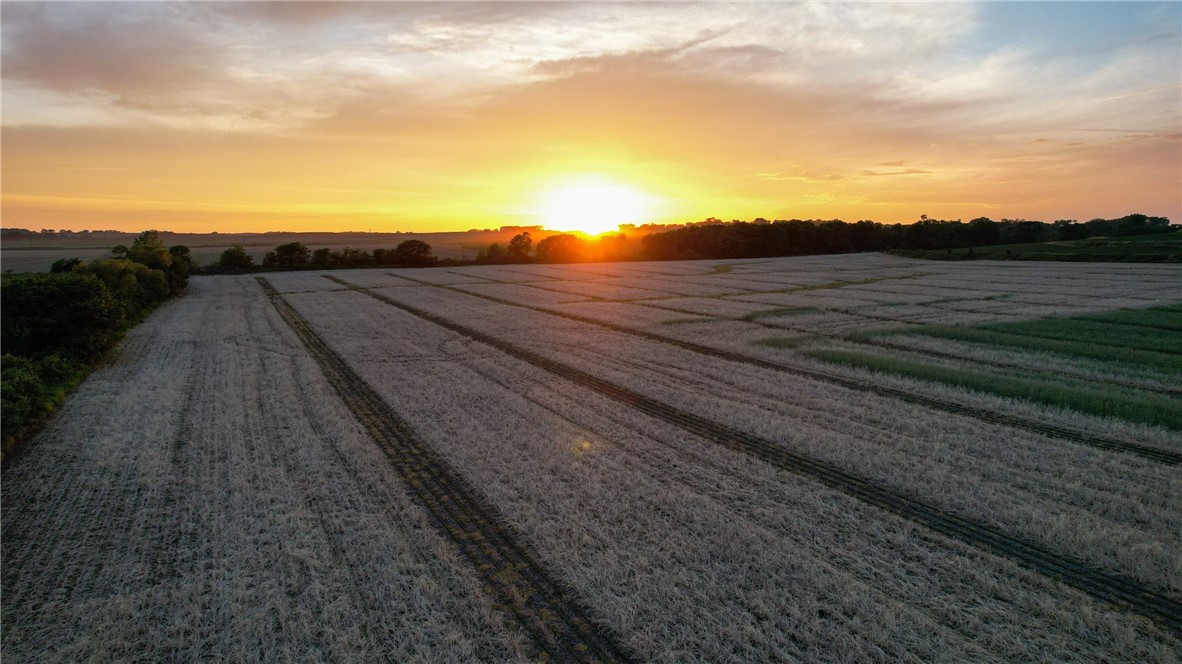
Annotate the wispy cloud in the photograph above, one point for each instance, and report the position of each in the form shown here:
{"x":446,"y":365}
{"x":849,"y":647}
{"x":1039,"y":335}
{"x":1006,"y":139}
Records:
{"x":427,"y":99}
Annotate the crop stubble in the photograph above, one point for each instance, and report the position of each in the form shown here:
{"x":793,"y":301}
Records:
{"x":198,"y":572}
{"x":1050,"y":430}
{"x":140,"y":526}
{"x":1107,"y":587}
{"x":559,"y":628}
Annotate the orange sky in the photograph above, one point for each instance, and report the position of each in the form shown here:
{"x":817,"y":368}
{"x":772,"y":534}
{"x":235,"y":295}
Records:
{"x":428,"y":117}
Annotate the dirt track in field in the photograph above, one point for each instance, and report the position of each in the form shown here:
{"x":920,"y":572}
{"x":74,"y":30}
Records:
{"x":559,"y":628}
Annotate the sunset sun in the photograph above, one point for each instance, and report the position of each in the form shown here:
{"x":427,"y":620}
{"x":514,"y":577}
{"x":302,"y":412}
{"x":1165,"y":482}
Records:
{"x":593,"y":206}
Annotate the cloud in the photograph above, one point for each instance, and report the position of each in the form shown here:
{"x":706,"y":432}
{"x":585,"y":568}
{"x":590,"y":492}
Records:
{"x":902,"y":171}
{"x":303,"y":57}
{"x":142,"y":49}
{"x":761,"y":102}
{"x":803,"y":177}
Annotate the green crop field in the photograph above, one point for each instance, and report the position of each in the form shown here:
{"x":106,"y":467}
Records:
{"x":1151,"y":248}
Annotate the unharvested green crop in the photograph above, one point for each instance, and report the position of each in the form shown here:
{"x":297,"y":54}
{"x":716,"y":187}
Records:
{"x":1128,"y":404}
{"x":785,"y":342}
{"x":1161,"y":318}
{"x":1104,"y":352}
{"x":1102,"y":333}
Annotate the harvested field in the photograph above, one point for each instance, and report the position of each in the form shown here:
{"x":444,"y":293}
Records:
{"x":618,"y":462}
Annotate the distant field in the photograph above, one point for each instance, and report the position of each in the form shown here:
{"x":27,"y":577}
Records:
{"x":37,"y":254}
{"x":857,"y":458}
{"x":1152,"y":248}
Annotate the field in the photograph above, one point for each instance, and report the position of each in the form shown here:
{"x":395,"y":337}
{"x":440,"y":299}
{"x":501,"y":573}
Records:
{"x":36,"y":253}
{"x":1150,"y":248}
{"x":830,"y":458}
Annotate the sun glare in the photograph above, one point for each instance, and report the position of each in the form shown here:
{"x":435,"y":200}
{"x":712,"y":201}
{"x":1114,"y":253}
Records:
{"x":593,"y":206}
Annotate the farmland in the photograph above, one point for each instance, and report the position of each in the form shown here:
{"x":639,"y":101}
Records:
{"x":36,"y":252}
{"x":837,"y":458}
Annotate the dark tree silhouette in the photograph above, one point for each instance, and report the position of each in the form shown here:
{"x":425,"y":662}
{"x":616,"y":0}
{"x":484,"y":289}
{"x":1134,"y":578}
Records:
{"x":414,"y":252}
{"x":563,"y":248}
{"x":520,"y":246}
{"x":494,"y":254}
{"x":65,"y":264}
{"x":292,"y":254}
{"x":322,"y":257}
{"x":236,"y":258}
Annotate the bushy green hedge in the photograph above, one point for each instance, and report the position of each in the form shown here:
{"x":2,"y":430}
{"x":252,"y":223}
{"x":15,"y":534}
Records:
{"x":70,"y":314}
{"x":55,"y":326}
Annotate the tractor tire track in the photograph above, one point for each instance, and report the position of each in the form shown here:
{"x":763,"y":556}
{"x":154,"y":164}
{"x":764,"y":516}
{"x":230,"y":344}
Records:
{"x":559,"y":629}
{"x":1121,"y":591}
{"x":993,"y":417}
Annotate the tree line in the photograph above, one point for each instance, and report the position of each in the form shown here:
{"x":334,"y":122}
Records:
{"x":57,"y":325}
{"x":708,"y":239}
{"x":296,"y":255}
{"x":762,"y":238}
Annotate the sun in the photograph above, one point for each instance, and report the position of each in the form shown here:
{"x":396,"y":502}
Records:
{"x":593,"y":206}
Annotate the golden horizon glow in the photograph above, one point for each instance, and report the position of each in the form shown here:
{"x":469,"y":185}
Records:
{"x":433,"y":117}
{"x":592,"y":205}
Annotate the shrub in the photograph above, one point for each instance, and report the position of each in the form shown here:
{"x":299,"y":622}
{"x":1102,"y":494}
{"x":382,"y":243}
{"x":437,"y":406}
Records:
{"x":138,"y":287}
{"x":21,"y":390}
{"x":235,"y":258}
{"x":72,"y":314}
{"x":413,"y":252}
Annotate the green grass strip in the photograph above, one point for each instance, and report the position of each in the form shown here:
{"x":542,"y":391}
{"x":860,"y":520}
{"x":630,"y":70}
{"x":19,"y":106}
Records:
{"x":1106,"y":353}
{"x":1149,"y":318}
{"x":785,"y":342}
{"x":1126,"y":404}
{"x":1102,"y":333}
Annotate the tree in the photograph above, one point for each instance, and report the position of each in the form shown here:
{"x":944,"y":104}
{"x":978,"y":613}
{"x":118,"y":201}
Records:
{"x":1022,"y":231}
{"x":983,"y":231}
{"x":520,"y":246}
{"x":292,"y":254}
{"x":70,"y":313}
{"x":178,"y":272}
{"x":136,"y":286}
{"x":21,"y":392}
{"x":351,"y":257}
{"x":65,"y":264}
{"x":236,"y":258}
{"x":414,"y":252}
{"x":148,"y":249}
{"x":613,"y":247}
{"x":493,"y":254}
{"x":180,"y":253}
{"x":119,"y":251}
{"x":322,"y":256}
{"x":383,"y":256}
{"x":565,"y":248}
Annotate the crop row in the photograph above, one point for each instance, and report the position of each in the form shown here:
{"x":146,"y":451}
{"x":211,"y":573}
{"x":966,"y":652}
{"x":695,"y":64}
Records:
{"x":207,"y":497}
{"x":558,"y":628}
{"x":662,"y":532}
{"x":957,"y":462}
{"x":965,"y":402}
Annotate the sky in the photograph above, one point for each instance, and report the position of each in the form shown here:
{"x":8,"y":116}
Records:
{"x":385,"y":116}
